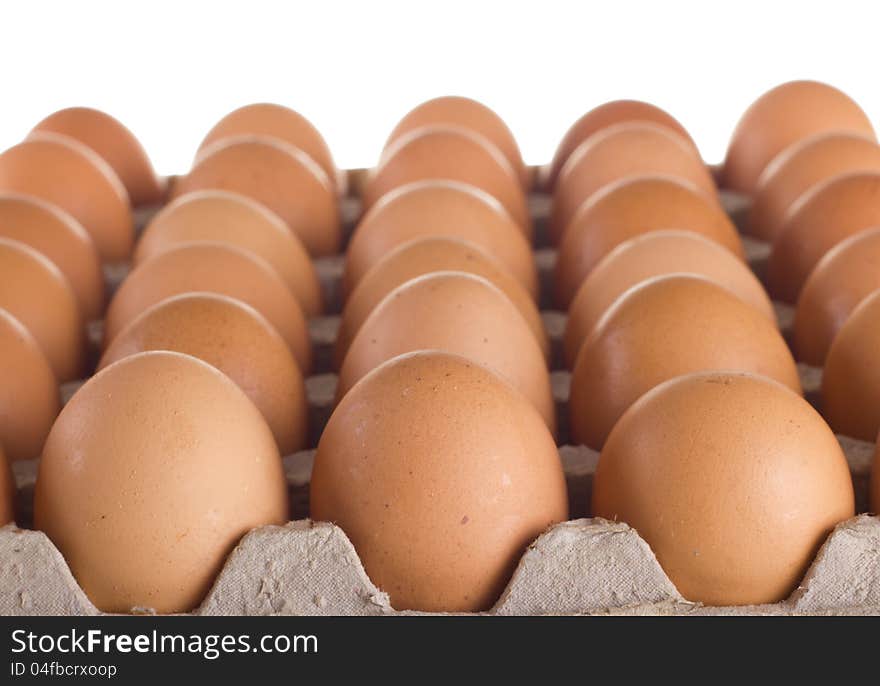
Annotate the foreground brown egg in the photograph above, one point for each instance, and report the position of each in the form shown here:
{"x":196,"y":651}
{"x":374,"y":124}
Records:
{"x":7,"y":491}
{"x":782,"y":116}
{"x":440,"y":474}
{"x":237,"y":340}
{"x":54,"y":233}
{"x":650,"y":255}
{"x":874,"y":487}
{"x":469,"y":114}
{"x":115,"y":144}
{"x":732,"y":479}
{"x":663,"y":328}
{"x":438,"y":208}
{"x":801,"y":166}
{"x":236,"y":220}
{"x":152,"y":474}
{"x":451,"y":153}
{"x":630,"y":208}
{"x":35,"y":292}
{"x":457,"y":313}
{"x":212,"y":268}
{"x":832,"y":211}
{"x":617,"y":152}
{"x":845,"y":276}
{"x":281,"y":177}
{"x":424,"y":256}
{"x":70,"y":175}
{"x":609,"y":114}
{"x":29,"y":398}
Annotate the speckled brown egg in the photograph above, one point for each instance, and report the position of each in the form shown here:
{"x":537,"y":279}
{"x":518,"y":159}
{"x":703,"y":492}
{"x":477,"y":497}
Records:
{"x":70,"y":175}
{"x":234,"y":219}
{"x":35,"y":292}
{"x":212,"y":268}
{"x":662,"y":328}
{"x":424,"y":256}
{"x":458,"y":313}
{"x":278,"y":175}
{"x":655,"y":254}
{"x":440,"y":474}
{"x":732,"y":479}
{"x":7,"y":491}
{"x":438,"y":208}
{"x":833,"y":210}
{"x":617,"y":152}
{"x":630,"y":208}
{"x":115,"y":144}
{"x":780,"y":117}
{"x":152,"y":474}
{"x":29,"y":398}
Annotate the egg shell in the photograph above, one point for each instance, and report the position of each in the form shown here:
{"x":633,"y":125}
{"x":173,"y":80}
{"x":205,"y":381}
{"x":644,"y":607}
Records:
{"x":663,"y":328}
{"x":7,"y":491}
{"x":830,"y":212}
{"x":469,"y":114}
{"x":438,"y":208}
{"x":154,"y":470}
{"x":617,"y":152}
{"x":780,"y":117}
{"x":451,"y":153}
{"x":115,"y":144}
{"x":277,"y":121}
{"x":57,"y":235}
{"x":732,"y":479}
{"x":424,"y":256}
{"x":801,"y":166}
{"x":29,"y":398}
{"x":35,"y":292}
{"x":875,"y":482}
{"x":68,"y":174}
{"x":609,"y":114}
{"x":440,"y":474}
{"x":278,"y":175}
{"x":629,"y":208}
{"x":236,"y":339}
{"x":224,"y":217}
{"x":458,"y":313}
{"x":212,"y":268}
{"x":656,"y":254}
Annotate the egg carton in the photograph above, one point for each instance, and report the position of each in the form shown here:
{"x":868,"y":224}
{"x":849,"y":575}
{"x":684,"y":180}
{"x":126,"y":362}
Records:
{"x":581,"y":566}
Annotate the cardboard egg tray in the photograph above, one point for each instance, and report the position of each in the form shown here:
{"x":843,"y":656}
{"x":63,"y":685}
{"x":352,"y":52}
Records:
{"x":582,"y":566}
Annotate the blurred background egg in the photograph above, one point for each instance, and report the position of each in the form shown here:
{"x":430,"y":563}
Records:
{"x":7,"y":491}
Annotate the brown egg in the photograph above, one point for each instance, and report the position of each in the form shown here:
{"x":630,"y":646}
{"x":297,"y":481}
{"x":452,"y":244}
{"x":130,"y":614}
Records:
{"x":874,"y":486}
{"x":663,"y":328}
{"x":66,"y":173}
{"x":609,"y":114}
{"x":440,"y":474}
{"x":212,"y":268}
{"x":281,"y":177}
{"x":733,"y":480}
{"x":7,"y":491}
{"x":54,"y":233}
{"x":236,"y":220}
{"x":621,"y":151}
{"x":115,"y":144}
{"x":35,"y":292}
{"x":833,"y":210}
{"x":656,"y":254}
{"x":152,"y":474}
{"x":454,"y":154}
{"x":469,"y":114}
{"x":630,"y":208}
{"x":780,"y":117}
{"x":424,"y":256}
{"x":801,"y":166}
{"x":29,"y":398}
{"x":236,"y":339}
{"x":457,"y":313}
{"x":438,"y":208}
{"x":277,"y":121}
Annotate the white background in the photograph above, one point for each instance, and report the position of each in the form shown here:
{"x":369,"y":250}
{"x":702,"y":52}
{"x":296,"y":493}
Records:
{"x":170,"y":70}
